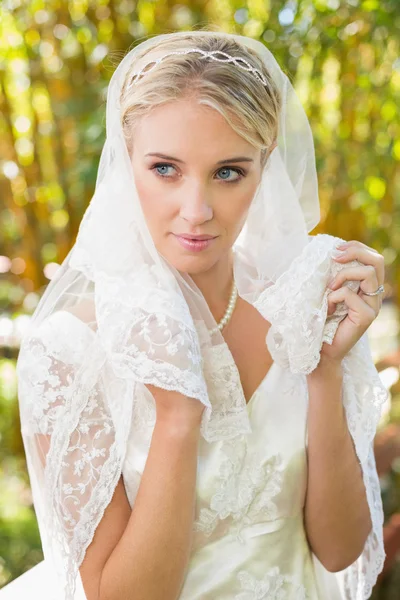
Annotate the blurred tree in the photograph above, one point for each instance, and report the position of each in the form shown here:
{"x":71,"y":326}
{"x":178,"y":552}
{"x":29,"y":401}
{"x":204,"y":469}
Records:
{"x":56,"y":59}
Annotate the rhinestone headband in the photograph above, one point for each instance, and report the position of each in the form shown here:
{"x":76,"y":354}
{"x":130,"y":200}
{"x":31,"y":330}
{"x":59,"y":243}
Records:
{"x":214,"y":54}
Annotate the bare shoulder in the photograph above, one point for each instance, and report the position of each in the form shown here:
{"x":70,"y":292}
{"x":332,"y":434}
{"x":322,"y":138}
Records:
{"x":85,"y":312}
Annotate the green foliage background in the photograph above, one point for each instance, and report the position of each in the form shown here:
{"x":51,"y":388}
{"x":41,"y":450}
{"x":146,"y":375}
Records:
{"x":56,"y":58}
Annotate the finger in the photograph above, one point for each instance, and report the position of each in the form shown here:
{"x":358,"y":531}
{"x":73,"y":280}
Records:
{"x":365,"y":274}
{"x":355,"y":244}
{"x":353,"y":251}
{"x":366,"y":256}
{"x":360,"y":312}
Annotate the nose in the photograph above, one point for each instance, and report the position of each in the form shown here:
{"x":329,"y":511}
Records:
{"x":196,"y":205}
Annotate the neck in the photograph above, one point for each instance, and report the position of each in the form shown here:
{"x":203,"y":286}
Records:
{"x":216,"y":285}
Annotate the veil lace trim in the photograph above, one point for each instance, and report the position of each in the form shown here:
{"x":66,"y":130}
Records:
{"x":77,"y":420}
{"x":80,"y":374}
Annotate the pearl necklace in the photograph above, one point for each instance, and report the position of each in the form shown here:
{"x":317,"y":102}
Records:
{"x":228,"y":312}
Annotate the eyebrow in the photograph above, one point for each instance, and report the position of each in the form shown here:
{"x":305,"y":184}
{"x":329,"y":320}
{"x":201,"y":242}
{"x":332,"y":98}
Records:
{"x":220,"y":162}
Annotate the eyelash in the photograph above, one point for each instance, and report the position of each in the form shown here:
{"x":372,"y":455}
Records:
{"x":240,"y":172}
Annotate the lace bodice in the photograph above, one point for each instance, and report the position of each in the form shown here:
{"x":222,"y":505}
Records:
{"x":86,"y":414}
{"x":248,"y":537}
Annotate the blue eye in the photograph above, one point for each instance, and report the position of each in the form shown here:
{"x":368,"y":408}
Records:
{"x":162,"y":166}
{"x":239,"y":172}
{"x":161,"y":170}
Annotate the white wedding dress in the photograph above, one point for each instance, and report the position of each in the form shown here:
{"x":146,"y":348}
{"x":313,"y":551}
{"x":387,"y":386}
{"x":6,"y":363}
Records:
{"x":249,"y":540}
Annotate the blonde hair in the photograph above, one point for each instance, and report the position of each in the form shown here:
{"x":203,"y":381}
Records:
{"x":249,"y":106}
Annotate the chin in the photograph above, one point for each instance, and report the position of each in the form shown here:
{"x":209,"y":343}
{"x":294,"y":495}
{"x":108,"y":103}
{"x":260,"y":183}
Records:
{"x":192,"y":264}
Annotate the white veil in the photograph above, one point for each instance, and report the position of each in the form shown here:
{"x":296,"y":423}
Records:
{"x":117,"y":316}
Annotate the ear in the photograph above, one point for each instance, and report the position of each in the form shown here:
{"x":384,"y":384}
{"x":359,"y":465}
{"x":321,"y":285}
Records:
{"x":266,"y":153}
{"x":273,"y":145}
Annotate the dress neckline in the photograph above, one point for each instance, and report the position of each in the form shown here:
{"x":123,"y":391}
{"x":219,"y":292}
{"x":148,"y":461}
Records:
{"x":260,"y":385}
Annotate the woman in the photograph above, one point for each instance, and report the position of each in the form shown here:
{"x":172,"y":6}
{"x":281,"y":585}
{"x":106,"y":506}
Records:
{"x":197,"y":406}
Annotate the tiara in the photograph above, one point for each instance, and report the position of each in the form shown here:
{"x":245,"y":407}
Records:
{"x":217,"y":55}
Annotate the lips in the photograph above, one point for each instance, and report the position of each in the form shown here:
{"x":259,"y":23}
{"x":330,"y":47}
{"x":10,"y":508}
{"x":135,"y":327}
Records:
{"x":195,"y":237}
{"x":195,"y":244}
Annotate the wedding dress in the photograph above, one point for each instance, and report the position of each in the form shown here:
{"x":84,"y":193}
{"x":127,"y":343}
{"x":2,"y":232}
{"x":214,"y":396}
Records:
{"x":249,"y":540}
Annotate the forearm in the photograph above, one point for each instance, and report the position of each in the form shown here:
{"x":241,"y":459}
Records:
{"x":337,"y":516}
{"x":149,"y":561}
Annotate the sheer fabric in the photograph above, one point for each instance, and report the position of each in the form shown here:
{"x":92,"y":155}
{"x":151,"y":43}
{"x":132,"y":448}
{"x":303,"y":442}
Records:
{"x":242,"y":475}
{"x":140,"y":321}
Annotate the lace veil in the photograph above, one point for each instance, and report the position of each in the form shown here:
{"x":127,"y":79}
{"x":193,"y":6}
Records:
{"x":117,"y":316}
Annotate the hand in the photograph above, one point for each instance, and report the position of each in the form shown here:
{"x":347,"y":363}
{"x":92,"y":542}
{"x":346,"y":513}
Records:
{"x":362,"y":310}
{"x":174,"y":409}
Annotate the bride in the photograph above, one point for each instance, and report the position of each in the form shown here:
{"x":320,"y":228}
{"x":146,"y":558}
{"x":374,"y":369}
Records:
{"x":198,"y":399}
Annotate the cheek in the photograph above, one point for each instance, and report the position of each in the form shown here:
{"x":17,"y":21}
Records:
{"x":152,"y":199}
{"x":233,"y":214}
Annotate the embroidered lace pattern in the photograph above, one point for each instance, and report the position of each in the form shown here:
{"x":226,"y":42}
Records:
{"x":77,"y":388}
{"x":273,"y":586}
{"x":244,"y":492}
{"x":296,"y":306}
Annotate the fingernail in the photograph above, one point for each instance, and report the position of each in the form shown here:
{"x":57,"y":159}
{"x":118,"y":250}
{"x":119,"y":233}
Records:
{"x":338,"y":253}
